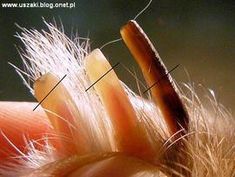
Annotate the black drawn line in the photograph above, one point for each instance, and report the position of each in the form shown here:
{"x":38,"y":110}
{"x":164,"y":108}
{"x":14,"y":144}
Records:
{"x":102,"y":76}
{"x":160,"y":79}
{"x":50,"y":92}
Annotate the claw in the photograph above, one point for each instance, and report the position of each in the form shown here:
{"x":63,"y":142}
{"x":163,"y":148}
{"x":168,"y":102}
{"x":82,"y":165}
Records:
{"x":164,"y":93}
{"x":129,"y":135}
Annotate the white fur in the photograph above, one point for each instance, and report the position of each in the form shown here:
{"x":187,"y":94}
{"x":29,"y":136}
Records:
{"x":210,"y":141}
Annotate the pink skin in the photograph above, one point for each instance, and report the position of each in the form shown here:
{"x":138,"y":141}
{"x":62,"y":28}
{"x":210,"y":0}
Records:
{"x":17,"y":119}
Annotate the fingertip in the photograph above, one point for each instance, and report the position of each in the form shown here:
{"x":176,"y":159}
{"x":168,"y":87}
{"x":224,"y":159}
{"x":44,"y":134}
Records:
{"x":17,"y":122}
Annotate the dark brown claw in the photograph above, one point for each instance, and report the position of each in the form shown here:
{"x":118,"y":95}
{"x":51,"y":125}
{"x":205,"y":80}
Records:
{"x":154,"y":71}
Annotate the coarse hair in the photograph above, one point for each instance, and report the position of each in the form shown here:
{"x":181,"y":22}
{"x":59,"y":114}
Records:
{"x":208,"y":145}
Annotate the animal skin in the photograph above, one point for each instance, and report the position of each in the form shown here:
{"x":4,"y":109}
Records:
{"x":108,"y":130}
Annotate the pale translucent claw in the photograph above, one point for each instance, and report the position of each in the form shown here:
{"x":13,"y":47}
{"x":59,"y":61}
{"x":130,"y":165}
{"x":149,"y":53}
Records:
{"x":62,"y":113}
{"x":129,"y":134}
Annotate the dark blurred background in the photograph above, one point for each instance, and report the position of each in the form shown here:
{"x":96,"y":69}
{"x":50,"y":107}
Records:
{"x":198,"y":35}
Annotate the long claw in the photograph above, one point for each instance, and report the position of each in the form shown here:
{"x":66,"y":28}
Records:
{"x":129,"y":135}
{"x":62,"y":113}
{"x":164,"y":93}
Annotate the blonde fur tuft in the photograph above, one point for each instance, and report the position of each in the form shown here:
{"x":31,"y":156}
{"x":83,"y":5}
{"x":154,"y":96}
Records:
{"x":209,"y":144}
